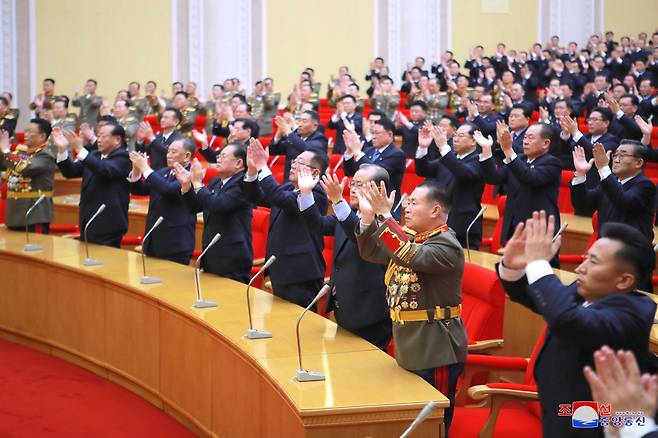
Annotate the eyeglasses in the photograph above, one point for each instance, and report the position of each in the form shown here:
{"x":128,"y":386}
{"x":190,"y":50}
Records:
{"x":355,"y":184}
{"x":622,"y":155}
{"x":296,"y":163}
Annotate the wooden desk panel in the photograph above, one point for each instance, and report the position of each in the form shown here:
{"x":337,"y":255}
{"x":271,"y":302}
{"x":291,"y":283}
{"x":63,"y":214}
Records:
{"x":194,"y":363}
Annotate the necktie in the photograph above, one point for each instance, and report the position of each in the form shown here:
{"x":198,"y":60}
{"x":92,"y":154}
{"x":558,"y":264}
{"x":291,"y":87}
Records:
{"x":375,"y":155}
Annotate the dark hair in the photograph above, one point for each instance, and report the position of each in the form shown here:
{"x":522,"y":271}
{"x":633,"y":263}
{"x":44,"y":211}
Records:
{"x":136,"y":83}
{"x":4,"y":100}
{"x":436,"y":193}
{"x":118,"y":131}
{"x":635,"y":249}
{"x":639,"y":149}
{"x":176,"y":83}
{"x":314,"y":115}
{"x":452,"y":119}
{"x":566,"y":101}
{"x":386,"y":123}
{"x":379,"y":174}
{"x":527,"y":112}
{"x":386,"y":78}
{"x":545,"y":132}
{"x":63,"y":99}
{"x":606,"y":114}
{"x":242,"y":98}
{"x":110,"y":120}
{"x":183,"y":93}
{"x":249,"y":124}
{"x":93,"y":80}
{"x":379,"y":58}
{"x":634,"y":100}
{"x":377,"y":112}
{"x":472,"y":127}
{"x":419,"y":103}
{"x":51,"y":80}
{"x":177,"y":114}
{"x":420,"y":57}
{"x":218,"y":85}
{"x":319,"y":160}
{"x":239,"y":152}
{"x":356,"y":85}
{"x":348,"y":96}
{"x":44,"y":126}
{"x":152,"y":82}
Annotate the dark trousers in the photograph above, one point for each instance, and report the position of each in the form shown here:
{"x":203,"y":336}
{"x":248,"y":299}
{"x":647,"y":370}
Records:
{"x":454,"y":371}
{"x":34,"y":228}
{"x":299,"y":293}
{"x":378,"y":334}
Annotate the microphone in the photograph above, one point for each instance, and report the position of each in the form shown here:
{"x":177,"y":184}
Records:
{"x":32,"y":246}
{"x":562,"y":228}
{"x":88,"y":261}
{"x":146,"y":279}
{"x":468,"y":229}
{"x":340,"y":161}
{"x":253,"y":333}
{"x":424,"y":413}
{"x":403,"y":198}
{"x":200,"y":303}
{"x":302,"y":374}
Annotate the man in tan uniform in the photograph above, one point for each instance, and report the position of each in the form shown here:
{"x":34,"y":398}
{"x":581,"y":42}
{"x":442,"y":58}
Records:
{"x":89,"y":103}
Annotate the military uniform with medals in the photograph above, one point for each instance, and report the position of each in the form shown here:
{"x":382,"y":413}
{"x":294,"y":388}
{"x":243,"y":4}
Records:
{"x":269,"y":103}
{"x":68,"y":123}
{"x":30,"y":174}
{"x":130,"y":125}
{"x":89,"y":108}
{"x":8,"y":123}
{"x":187,"y":124}
{"x":387,"y":102}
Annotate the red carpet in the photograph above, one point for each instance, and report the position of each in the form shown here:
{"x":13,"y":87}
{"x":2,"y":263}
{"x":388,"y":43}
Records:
{"x":44,"y":396}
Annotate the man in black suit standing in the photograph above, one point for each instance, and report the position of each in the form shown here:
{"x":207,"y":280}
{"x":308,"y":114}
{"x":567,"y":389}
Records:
{"x":518,"y":121}
{"x":307,"y":137}
{"x":104,"y":174}
{"x":383,"y":153}
{"x":344,"y":118}
{"x":174,"y":238}
{"x":462,"y":163}
{"x":623,"y":125}
{"x":483,"y":114}
{"x":298,"y":273}
{"x":409,"y":128}
{"x":602,"y":308}
{"x":532,"y":180}
{"x":225,"y":211}
{"x":241,"y":130}
{"x":359,"y":306}
{"x":624,"y":193}
{"x":156,"y":146}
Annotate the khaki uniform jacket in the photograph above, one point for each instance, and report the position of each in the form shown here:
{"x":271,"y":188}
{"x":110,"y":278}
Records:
{"x":89,"y":108}
{"x":432,"y":277}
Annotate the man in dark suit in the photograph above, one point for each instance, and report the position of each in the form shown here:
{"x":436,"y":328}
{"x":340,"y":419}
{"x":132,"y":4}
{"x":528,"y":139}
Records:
{"x":156,"y":146}
{"x":345,"y":117}
{"x":408,"y":129}
{"x":483,"y":114}
{"x":601,"y":308}
{"x":358,"y":306}
{"x":298,"y":273}
{"x":104,"y":174}
{"x":174,"y":238}
{"x":307,"y":137}
{"x":383,"y":153}
{"x":601,"y":87}
{"x":241,"y":131}
{"x":624,"y":194}
{"x":518,"y":121}
{"x":532,"y":180}
{"x":225,"y":211}
{"x":623,"y":123}
{"x":462,"y":163}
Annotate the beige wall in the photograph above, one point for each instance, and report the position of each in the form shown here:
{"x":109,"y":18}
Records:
{"x":471,"y":26}
{"x":629,"y":18}
{"x":113,"y":42}
{"x":340,"y":32}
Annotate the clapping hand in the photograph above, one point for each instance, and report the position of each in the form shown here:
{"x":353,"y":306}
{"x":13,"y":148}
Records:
{"x":284,"y":128}
{"x":485,"y":143}
{"x":377,"y":197}
{"x":601,"y":157}
{"x":612,"y":103}
{"x":425,"y":135}
{"x":539,"y":244}
{"x":580,"y":163}
{"x":569,"y":125}
{"x":140,"y":163}
{"x":59,"y":139}
{"x":74,"y":141}
{"x":352,"y":142}
{"x":201,"y":138}
{"x":305,"y":180}
{"x":197,"y":172}
{"x":86,"y":132}
{"x":183,"y":177}
{"x":439,"y":135}
{"x":4,"y":140}
{"x":645,"y":128}
{"x":504,"y":137}
{"x":333,"y":187}
{"x":256,"y":157}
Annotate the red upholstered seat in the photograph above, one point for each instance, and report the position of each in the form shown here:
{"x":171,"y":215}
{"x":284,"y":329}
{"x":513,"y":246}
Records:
{"x":483,"y":303}
{"x":564,"y":196}
{"x":336,"y":165}
{"x":488,"y":196}
{"x":211,"y":172}
{"x":410,"y":180}
{"x":3,"y":202}
{"x":493,"y":242}
{"x":260,"y":223}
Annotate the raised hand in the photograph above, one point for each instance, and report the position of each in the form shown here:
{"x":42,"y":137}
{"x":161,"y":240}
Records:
{"x":365,"y":127}
{"x":74,"y":141}
{"x":59,"y":139}
{"x":439,"y":135}
{"x":305,"y":180}
{"x":284,"y":128}
{"x":539,"y":243}
{"x":140,"y":163}
{"x":201,"y":138}
{"x":612,"y":103}
{"x":197,"y":172}
{"x":256,"y":156}
{"x":601,"y":157}
{"x":4,"y":140}
{"x":425,"y":135}
{"x":333,"y":187}
{"x":504,"y":137}
{"x":367,"y":213}
{"x":646,"y":129}
{"x":485,"y":143}
{"x":543,"y":114}
{"x":580,"y":163}
{"x":86,"y":132}
{"x":352,"y":142}
{"x":376,"y":195}
{"x":183,"y":177}
{"x":514,"y":251}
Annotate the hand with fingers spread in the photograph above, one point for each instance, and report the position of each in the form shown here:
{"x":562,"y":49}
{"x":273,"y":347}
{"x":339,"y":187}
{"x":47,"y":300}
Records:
{"x":569,"y":125}
{"x":485,"y":143}
{"x":380,"y":201}
{"x":514,"y":251}
{"x":352,"y":142}
{"x":305,"y":180}
{"x":365,"y":209}
{"x":580,"y":163}
{"x":87,"y":133}
{"x":333,"y":187}
{"x":284,"y":128}
{"x":601,"y":157}
{"x":645,"y":128}
{"x":539,"y":234}
{"x":60,"y":140}
{"x":74,"y":141}
{"x":201,"y":138}
{"x":140,"y":163}
{"x":425,"y":135}
{"x":439,"y":135}
{"x":256,"y":157}
{"x":504,"y":137}
{"x":183,"y":177}
{"x":617,"y":380}
{"x":543,"y":114}
{"x":197,"y":172}
{"x":613,"y":105}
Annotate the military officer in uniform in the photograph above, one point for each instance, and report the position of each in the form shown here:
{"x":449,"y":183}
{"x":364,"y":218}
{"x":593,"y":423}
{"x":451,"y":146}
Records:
{"x":44,"y":101}
{"x":425,"y":268}
{"x":30,"y":174}
{"x":385,"y":97}
{"x":59,"y":117}
{"x":187,"y":112}
{"x":269,"y":102}
{"x":129,"y":122}
{"x":7,"y":118}
{"x":193,"y":101}
{"x":150,"y":104}
{"x":89,"y":103}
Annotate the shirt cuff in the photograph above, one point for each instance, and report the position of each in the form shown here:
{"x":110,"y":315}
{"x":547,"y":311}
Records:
{"x":509,"y":274}
{"x":342,"y":210}
{"x":347,"y":156}
{"x":249,"y":178}
{"x":564,"y":135}
{"x":444,"y":150}
{"x":637,"y":430}
{"x":264,"y":173}
{"x":147,"y":173}
{"x":485,"y":157}
{"x":82,"y":154}
{"x":62,"y":156}
{"x":620,"y":114}
{"x":604,"y":173}
{"x":363,"y":227}
{"x":334,"y":118}
{"x":305,"y":201}
{"x":578,"y":180}
{"x":510,"y":159}
{"x":577,"y":136}
{"x":537,"y":269}
{"x":133,"y":177}
{"x":421,"y":152}
{"x":359,"y":155}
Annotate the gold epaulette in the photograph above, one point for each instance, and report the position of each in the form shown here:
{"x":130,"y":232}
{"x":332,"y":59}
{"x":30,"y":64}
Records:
{"x":422,"y":237}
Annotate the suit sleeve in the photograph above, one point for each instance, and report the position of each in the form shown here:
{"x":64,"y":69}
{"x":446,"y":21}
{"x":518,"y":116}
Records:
{"x":518,"y":291}
{"x":425,"y":167}
{"x":640,"y":197}
{"x":191,"y":201}
{"x":631,"y":126}
{"x":111,"y":168}
{"x":316,"y":223}
{"x":139,"y":188}
{"x":536,"y":176}
{"x":492,"y":174}
{"x":463,"y":171}
{"x":582,"y":197}
{"x":168,"y":189}
{"x":225,"y":201}
{"x":69,"y":168}
{"x":209,"y":155}
{"x":349,"y":225}
{"x":487,"y":127}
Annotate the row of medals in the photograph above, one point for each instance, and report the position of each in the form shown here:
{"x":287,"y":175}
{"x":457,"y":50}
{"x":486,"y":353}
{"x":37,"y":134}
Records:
{"x":404,"y":281}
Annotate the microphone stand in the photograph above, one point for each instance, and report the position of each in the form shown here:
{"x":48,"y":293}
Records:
{"x":253,"y":333}
{"x":403,"y":198}
{"x":302,"y":374}
{"x":200,"y":303}
{"x":145,"y":278}
{"x":32,"y":246}
{"x":468,"y":230}
{"x":424,"y":413}
{"x":88,"y":261}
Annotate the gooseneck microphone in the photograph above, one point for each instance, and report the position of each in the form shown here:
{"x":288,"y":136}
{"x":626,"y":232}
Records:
{"x":88,"y":261}
{"x":145,"y":278}
{"x":32,"y":246}
{"x":302,"y":374}
{"x":253,"y":333}
{"x":200,"y":303}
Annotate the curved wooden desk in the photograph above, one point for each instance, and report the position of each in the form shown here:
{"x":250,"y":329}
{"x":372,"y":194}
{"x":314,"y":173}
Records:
{"x":194,"y":363}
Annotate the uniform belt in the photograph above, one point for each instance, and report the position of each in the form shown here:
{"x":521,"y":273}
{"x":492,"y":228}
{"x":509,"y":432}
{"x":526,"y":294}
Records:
{"x":28,"y":195}
{"x":402,"y":316}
